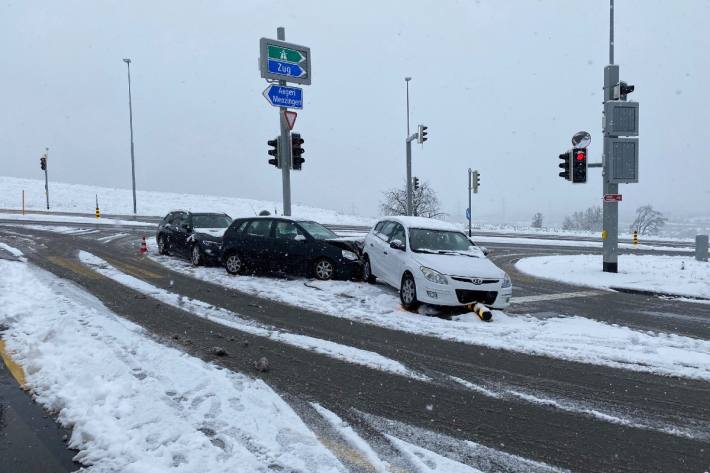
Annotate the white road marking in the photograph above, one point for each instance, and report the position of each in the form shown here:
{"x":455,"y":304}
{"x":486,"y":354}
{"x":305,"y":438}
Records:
{"x":554,"y":297}
{"x":110,"y":238}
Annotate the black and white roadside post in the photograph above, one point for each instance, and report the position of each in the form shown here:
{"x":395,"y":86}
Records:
{"x":43,"y":167}
{"x":279,"y":63}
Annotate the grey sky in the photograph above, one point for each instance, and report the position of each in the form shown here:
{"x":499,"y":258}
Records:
{"x":501,"y":85}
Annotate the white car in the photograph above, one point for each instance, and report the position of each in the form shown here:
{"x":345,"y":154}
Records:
{"x":433,"y":262}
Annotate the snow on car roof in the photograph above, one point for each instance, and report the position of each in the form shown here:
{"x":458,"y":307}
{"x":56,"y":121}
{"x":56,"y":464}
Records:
{"x":423,"y":222}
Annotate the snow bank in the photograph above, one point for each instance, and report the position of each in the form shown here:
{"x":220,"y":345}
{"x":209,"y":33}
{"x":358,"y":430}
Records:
{"x":81,"y":198}
{"x":512,"y":240}
{"x":136,"y":405}
{"x":679,"y":275}
{"x":571,"y":338}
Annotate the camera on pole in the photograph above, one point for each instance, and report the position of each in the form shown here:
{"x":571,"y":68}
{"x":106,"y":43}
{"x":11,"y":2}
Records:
{"x":421,"y":134}
{"x":621,"y":90}
{"x":297,"y":151}
{"x":274,"y":152}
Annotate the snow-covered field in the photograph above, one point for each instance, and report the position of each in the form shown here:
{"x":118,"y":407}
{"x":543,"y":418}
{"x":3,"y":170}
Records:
{"x":81,"y":198}
{"x":567,"y":337}
{"x":680,"y":275}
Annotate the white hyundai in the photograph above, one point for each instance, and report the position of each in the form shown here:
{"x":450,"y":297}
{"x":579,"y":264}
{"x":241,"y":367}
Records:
{"x":433,"y":262}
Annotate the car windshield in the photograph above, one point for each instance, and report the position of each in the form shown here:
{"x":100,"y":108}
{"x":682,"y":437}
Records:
{"x":317,"y":231}
{"x":438,"y":241}
{"x":210,"y":221}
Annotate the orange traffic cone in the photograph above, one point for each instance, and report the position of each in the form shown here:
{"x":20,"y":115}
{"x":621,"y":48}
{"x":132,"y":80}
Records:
{"x":144,"y":247}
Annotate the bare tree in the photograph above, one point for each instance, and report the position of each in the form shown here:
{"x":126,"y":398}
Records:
{"x":589,"y":220}
{"x":425,"y":203}
{"x":648,"y":221}
{"x":537,"y":220}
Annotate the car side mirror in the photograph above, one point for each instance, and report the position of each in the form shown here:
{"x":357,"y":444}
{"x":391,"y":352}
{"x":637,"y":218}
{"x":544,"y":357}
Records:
{"x":299,"y":237}
{"x":397,"y":245}
{"x":484,"y":250}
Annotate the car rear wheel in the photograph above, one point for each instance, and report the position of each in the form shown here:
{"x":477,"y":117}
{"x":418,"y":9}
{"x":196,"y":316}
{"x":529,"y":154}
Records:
{"x":367,"y":275}
{"x":163,"y":245}
{"x":324,"y":269}
{"x":233,"y":263}
{"x":408,"y":292}
{"x":196,"y":257}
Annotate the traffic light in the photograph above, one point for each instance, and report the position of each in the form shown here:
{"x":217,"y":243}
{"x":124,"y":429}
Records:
{"x":416,"y":183}
{"x":274,"y":152}
{"x":297,"y":151}
{"x":421,"y":134}
{"x":622,"y":89}
{"x":565,"y":165}
{"x":579,"y":165}
{"x":475,"y":181}
{"x":43,"y":163}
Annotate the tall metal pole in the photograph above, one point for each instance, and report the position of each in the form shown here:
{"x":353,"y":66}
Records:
{"x":130,"y":121}
{"x":285,"y":151}
{"x":46,"y":178}
{"x":410,"y":206}
{"x":610,"y":218}
{"x":409,"y":177}
{"x":470,"y":210}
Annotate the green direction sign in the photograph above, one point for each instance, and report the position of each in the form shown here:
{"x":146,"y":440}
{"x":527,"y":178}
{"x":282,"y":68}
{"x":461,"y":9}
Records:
{"x":285,"y":54}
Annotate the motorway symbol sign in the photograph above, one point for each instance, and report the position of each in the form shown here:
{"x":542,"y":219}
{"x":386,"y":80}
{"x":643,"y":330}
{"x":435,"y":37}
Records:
{"x":290,"y":118}
{"x":612,"y":197}
{"x":468,"y":214}
{"x":284,"y":61}
{"x":284,"y":96}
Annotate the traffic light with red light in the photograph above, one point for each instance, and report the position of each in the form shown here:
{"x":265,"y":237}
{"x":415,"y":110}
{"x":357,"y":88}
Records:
{"x":579,"y":165}
{"x":297,"y":152}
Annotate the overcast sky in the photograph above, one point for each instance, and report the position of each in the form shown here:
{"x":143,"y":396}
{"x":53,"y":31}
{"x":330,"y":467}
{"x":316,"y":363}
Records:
{"x":502,"y":86}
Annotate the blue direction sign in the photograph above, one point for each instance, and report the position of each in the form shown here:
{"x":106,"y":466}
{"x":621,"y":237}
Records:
{"x":285,"y":68}
{"x":283,"y":96}
{"x":468,"y":214}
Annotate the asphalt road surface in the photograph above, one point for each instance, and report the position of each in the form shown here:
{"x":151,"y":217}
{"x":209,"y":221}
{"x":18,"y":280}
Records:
{"x":532,"y":430}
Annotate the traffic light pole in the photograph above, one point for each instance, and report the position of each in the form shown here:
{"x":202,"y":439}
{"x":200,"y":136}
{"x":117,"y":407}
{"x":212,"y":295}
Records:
{"x":46,"y":178}
{"x":470,"y":210}
{"x":285,"y":151}
{"x":410,"y":203}
{"x":610,"y":219}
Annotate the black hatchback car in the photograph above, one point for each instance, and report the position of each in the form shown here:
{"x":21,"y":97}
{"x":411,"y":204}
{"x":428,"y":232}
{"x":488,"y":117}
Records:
{"x":288,"y":245}
{"x":197,"y":236}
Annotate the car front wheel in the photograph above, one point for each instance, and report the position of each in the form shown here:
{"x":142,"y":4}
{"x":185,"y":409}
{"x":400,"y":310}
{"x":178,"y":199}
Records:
{"x":163,"y":245}
{"x":324,"y":269}
{"x":367,"y":275}
{"x":196,"y":257}
{"x":408,"y":292}
{"x":233,"y":264}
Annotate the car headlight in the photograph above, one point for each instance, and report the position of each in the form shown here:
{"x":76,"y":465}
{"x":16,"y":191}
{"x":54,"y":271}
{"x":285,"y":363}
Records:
{"x":433,"y":276}
{"x":210,"y":243}
{"x":350,"y":255}
{"x":506,"y":281}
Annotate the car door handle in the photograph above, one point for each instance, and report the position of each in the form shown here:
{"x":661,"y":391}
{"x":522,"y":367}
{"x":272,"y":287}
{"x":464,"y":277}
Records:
{"x":384,"y":252}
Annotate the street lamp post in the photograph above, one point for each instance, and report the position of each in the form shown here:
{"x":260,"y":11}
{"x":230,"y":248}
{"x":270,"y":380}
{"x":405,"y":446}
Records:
{"x":130,"y":119}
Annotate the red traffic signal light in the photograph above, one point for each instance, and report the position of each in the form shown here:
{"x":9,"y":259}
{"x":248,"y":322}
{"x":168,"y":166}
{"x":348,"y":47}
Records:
{"x":579,"y":166}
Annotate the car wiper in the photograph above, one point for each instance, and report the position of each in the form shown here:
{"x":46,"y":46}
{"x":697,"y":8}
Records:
{"x":424,"y":250}
{"x":455,"y":252}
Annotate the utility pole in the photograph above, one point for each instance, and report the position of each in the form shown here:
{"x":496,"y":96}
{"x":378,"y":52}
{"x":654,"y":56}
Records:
{"x":130,"y":121}
{"x":410,"y":204}
{"x":285,"y":151}
{"x":610,"y":210}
